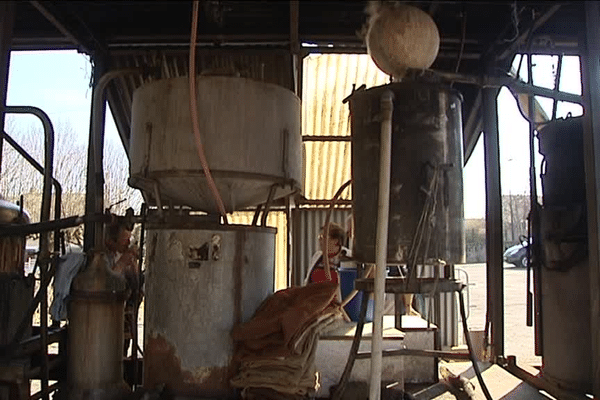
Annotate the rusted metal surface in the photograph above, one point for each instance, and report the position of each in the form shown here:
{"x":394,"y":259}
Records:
{"x":16,"y":293}
{"x":426,"y":148}
{"x":238,"y":118}
{"x":164,"y":367}
{"x":194,"y":299}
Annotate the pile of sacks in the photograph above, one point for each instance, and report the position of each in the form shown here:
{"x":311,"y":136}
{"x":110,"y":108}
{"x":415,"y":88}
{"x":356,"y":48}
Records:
{"x":276,"y":348}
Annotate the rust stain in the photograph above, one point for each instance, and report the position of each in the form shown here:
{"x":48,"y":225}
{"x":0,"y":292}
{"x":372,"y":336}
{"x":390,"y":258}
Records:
{"x":163,"y":366}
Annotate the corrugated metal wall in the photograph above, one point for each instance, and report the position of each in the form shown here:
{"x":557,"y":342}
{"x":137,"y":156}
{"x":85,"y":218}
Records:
{"x":327,"y":81}
{"x":275,"y":219}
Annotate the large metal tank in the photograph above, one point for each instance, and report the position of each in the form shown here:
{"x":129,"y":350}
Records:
{"x":565,"y":292}
{"x":16,"y":289}
{"x":202,"y":280}
{"x":426,"y":140}
{"x":96,"y":338}
{"x":250,"y":131}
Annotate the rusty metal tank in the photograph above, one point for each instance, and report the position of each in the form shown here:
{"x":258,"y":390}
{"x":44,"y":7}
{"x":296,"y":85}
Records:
{"x":565,"y":289}
{"x":96,"y":337}
{"x":202,"y":280}
{"x":250,"y":132}
{"x":426,"y":143}
{"x":12,"y":248}
{"x":14,"y":286}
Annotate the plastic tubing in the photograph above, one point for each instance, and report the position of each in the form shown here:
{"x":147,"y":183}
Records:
{"x":194,"y":115}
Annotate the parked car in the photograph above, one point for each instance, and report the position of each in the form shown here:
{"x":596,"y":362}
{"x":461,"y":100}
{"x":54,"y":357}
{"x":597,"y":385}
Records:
{"x":517,"y":254}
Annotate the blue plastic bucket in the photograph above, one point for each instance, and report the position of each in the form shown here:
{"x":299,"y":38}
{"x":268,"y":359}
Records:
{"x":347,"y":277}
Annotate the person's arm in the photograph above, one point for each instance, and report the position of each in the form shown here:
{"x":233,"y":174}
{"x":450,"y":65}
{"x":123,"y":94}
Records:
{"x":313,"y":261}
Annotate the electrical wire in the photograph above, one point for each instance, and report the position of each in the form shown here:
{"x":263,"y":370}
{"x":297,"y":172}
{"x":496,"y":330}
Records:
{"x":194,"y":115}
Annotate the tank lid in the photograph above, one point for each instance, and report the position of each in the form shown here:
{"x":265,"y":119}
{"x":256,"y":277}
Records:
{"x":12,"y":214}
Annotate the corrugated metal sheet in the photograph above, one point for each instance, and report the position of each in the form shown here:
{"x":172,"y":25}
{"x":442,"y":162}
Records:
{"x":307,"y":223}
{"x":327,"y":80}
{"x":275,"y":219}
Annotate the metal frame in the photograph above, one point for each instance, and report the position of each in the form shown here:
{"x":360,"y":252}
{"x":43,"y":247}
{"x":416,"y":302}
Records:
{"x":591,"y":140}
{"x":44,"y":257}
{"x":7,"y":16}
{"x":495,"y":263}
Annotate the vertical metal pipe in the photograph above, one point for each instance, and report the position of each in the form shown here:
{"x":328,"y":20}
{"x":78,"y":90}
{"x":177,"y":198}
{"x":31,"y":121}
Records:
{"x":94,"y":178}
{"x":383,"y":211}
{"x":533,"y":250}
{"x":44,"y":254}
{"x":495,"y":284}
{"x":134,"y":345}
{"x":557,"y":84}
{"x":7,"y":17}
{"x":591,"y":135}
{"x":97,"y":148}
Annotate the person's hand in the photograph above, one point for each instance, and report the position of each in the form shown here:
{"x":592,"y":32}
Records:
{"x":127,"y":262}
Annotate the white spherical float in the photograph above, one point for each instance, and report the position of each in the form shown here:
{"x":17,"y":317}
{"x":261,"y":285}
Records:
{"x":401,"y":36}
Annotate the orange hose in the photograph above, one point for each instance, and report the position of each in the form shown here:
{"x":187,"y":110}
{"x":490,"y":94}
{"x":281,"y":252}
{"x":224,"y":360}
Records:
{"x":194,"y":115}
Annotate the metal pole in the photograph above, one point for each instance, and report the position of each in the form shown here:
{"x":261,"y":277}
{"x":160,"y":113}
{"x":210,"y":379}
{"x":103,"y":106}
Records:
{"x":95,"y":167}
{"x":591,"y":135}
{"x":383,"y":211}
{"x":44,"y":254}
{"x":495,"y":284}
{"x":7,"y":17}
{"x":94,"y":178}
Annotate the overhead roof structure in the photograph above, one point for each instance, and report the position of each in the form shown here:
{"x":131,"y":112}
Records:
{"x":156,"y":34}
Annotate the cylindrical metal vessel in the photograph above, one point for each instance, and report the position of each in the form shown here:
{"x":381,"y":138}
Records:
{"x":95,"y":356}
{"x":202,"y":280}
{"x":565,"y":294}
{"x":12,"y":248}
{"x":426,"y":145}
{"x":250,"y":132}
{"x":14,"y":286}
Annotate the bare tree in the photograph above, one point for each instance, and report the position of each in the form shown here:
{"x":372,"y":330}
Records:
{"x":70,"y":165}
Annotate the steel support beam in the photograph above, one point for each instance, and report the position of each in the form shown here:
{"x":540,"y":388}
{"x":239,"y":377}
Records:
{"x":495,"y":284}
{"x":7,"y":17}
{"x":591,"y":135}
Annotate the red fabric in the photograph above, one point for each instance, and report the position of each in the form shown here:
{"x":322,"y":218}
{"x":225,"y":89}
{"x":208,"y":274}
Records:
{"x":318,"y":275}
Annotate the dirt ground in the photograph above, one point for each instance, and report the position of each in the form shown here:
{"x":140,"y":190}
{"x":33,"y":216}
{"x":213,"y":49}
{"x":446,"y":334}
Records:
{"x":519,"y":338}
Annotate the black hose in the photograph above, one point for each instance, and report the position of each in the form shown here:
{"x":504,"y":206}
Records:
{"x":341,"y":387}
{"x":463,"y":316}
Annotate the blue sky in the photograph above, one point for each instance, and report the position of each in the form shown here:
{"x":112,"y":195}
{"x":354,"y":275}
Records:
{"x":58,"y":83}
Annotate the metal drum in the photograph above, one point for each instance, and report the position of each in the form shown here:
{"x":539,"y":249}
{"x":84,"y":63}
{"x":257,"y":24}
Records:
{"x":250,"y":131}
{"x":565,"y":294}
{"x":426,"y":143}
{"x":95,"y":357}
{"x":12,"y":248}
{"x":202,"y":280}
{"x":16,"y":289}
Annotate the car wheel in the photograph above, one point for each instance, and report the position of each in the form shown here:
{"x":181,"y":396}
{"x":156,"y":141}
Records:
{"x":524,"y":262}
